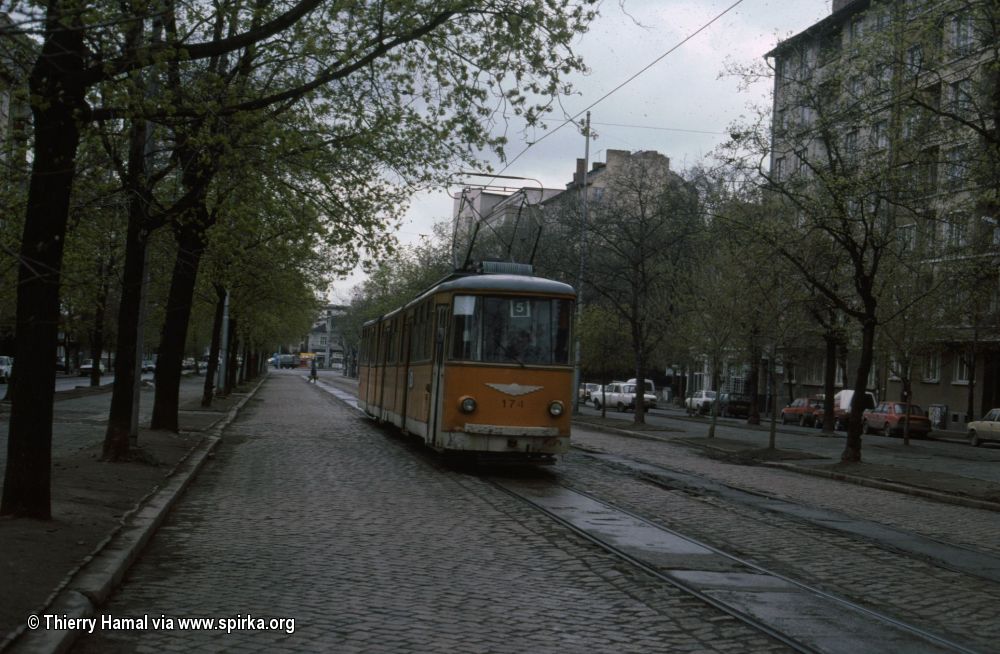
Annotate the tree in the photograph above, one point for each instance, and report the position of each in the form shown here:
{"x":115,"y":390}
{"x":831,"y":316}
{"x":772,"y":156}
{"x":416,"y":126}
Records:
{"x":844,"y":186}
{"x":638,"y":259}
{"x":462,"y":48}
{"x":394,"y":281}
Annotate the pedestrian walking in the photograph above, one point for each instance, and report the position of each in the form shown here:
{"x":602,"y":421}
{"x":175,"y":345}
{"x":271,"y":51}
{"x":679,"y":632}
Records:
{"x":312,"y":371}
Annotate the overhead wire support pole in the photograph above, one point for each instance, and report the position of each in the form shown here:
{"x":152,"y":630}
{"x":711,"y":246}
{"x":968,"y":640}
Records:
{"x":584,"y":204}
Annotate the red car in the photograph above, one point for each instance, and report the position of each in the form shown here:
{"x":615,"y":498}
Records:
{"x":802,"y":411}
{"x":891,"y":417}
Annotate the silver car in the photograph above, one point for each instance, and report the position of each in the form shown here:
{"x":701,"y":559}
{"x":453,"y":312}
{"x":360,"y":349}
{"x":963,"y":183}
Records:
{"x":987,"y":429}
{"x":6,"y":364}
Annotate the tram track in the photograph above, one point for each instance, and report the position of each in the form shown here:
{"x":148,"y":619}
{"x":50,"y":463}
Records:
{"x":803,"y":617}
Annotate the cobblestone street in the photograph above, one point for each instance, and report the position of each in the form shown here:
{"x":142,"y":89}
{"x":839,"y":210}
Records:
{"x":311,"y":513}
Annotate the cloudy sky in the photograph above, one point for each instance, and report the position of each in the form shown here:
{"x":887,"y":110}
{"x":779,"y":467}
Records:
{"x":679,"y":107}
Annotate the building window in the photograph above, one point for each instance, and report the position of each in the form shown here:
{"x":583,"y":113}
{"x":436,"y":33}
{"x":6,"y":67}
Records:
{"x":883,"y":77}
{"x":851,"y":144}
{"x":955,"y":166}
{"x":915,"y":7}
{"x":961,"y":375}
{"x":956,"y":232}
{"x":961,"y":101}
{"x":779,"y":169}
{"x":855,"y":87}
{"x":914,"y":60}
{"x":881,"y":134}
{"x":962,"y":33}
{"x":907,"y":235}
{"x":801,"y":165}
{"x":931,"y":368}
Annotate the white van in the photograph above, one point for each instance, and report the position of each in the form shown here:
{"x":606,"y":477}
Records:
{"x":650,"y":386}
{"x":842,"y":401}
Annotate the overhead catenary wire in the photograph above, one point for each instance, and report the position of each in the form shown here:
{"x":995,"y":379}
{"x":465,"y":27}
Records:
{"x":572,"y":119}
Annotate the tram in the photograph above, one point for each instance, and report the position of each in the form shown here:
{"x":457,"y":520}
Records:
{"x":477,"y":364}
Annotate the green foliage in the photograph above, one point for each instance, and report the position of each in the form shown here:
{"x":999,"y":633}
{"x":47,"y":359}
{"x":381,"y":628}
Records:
{"x":392,"y":283}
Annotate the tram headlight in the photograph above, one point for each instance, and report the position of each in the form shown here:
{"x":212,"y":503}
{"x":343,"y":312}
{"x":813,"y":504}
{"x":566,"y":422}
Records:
{"x":467,"y":404}
{"x":556,"y":409}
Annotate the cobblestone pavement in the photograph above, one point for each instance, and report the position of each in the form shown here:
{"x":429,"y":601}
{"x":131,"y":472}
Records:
{"x":311,"y":513}
{"x":911,"y":589}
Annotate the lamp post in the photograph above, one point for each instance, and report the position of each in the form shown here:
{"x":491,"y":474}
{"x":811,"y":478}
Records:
{"x":583,"y":257}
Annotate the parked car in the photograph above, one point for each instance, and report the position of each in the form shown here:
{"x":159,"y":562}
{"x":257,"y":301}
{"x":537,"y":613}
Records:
{"x":88,"y":365}
{"x":802,"y":411}
{"x":587,"y":390}
{"x":6,"y":365}
{"x":892,"y":417}
{"x":621,"y":395}
{"x":650,"y":386}
{"x":842,"y":403}
{"x":700,"y":402}
{"x":734,"y":405}
{"x":148,"y":365}
{"x":986,"y":429}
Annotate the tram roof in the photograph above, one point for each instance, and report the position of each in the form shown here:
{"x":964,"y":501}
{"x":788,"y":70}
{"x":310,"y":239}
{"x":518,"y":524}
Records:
{"x":506,"y":283}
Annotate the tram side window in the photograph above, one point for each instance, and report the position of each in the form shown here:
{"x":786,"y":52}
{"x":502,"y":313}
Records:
{"x":466,"y":328}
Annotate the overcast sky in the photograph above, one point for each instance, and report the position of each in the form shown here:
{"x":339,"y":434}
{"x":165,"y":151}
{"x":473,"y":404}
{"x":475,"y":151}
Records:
{"x":680,"y":107}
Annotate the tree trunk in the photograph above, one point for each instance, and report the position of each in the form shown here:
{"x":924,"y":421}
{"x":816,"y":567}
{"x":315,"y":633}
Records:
{"x":137,"y":235}
{"x":213,"y":351}
{"x":97,"y":332}
{"x":829,"y":380}
{"x":754,"y":390}
{"x":58,"y":96}
{"x":170,"y":356}
{"x":231,"y":357}
{"x":852,"y":448}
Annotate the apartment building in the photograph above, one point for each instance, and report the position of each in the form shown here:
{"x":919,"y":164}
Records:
{"x":884,"y":125}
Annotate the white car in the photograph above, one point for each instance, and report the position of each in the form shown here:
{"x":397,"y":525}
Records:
{"x":88,"y":365}
{"x":987,"y":429}
{"x":700,"y":402}
{"x":6,"y":364}
{"x":621,"y":395}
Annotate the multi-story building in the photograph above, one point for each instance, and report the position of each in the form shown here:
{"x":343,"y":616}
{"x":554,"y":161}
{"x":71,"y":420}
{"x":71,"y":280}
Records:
{"x":509,"y":217}
{"x":884,"y":120}
{"x":325,"y":339}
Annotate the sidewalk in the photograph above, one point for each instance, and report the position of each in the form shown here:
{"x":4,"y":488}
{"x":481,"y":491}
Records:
{"x":944,"y":469}
{"x":102,"y":513}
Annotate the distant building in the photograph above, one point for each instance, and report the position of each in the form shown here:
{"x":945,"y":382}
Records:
{"x":325,"y":339}
{"x":507,"y":216}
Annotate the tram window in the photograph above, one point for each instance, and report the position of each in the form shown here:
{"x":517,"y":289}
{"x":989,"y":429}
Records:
{"x":466,"y":328}
{"x":511,"y":330}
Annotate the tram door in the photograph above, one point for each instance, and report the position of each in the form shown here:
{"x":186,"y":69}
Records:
{"x":437,"y":372}
{"x":407,"y":378}
{"x":385,"y":345}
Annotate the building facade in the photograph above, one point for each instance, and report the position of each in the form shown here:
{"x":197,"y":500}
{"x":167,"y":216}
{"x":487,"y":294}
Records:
{"x":895,"y":103}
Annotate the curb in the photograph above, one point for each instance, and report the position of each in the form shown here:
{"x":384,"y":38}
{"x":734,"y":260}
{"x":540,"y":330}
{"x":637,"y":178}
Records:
{"x":87,"y":587}
{"x":938,"y":496}
{"x":905,"y":489}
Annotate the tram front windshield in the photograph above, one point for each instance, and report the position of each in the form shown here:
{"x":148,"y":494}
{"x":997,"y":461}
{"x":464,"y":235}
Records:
{"x":518,"y":330}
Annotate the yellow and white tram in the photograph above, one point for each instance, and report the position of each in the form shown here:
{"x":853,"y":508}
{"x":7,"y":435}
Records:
{"x":479,"y":363}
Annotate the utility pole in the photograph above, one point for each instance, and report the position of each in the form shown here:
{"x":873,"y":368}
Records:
{"x":583,"y":258}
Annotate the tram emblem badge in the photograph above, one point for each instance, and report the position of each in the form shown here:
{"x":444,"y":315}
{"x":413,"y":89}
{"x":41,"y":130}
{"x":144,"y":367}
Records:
{"x":515,"y":389}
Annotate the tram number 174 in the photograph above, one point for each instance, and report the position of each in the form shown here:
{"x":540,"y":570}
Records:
{"x":513,"y":404}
